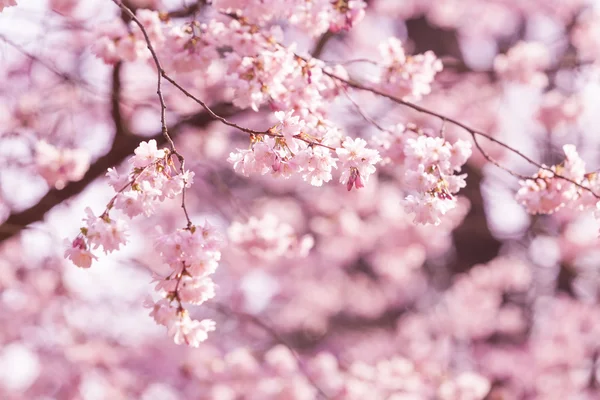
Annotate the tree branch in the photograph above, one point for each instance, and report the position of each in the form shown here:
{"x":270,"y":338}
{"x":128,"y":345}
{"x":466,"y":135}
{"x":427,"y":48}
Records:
{"x":123,"y":145}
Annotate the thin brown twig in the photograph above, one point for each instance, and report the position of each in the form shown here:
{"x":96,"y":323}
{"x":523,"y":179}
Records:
{"x":163,"y":75}
{"x":360,"y":111}
{"x":163,"y":106}
{"x":473,"y":132}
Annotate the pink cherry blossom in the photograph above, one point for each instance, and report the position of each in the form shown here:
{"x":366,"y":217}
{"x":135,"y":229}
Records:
{"x":146,"y":154}
{"x":358,"y":162}
{"x":79,"y":253}
{"x":544,"y":193}
{"x":406,"y":76}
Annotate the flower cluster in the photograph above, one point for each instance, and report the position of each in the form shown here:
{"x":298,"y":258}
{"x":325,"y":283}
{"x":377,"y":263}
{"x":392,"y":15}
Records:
{"x":269,"y":238}
{"x":545,"y":193}
{"x":429,"y":165}
{"x":358,"y":162}
{"x":301,"y":146}
{"x":258,"y":69}
{"x":192,"y":254}
{"x":406,"y":76}
{"x":524,"y":63}
{"x":152,"y":180}
{"x":262,"y":71}
{"x":60,"y":165}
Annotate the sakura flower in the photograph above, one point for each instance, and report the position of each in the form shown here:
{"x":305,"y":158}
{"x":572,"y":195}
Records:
{"x":179,"y":325}
{"x":162,"y":312}
{"x":79,"y":253}
{"x":115,"y":180}
{"x":146,"y":153}
{"x":347,"y":14}
{"x":317,"y":163}
{"x":105,"y":232}
{"x":431,"y":163}
{"x":358,"y":162}
{"x":174,"y":186}
{"x":242,"y":161}
{"x":131,"y":203}
{"x":407,"y":76}
{"x":289,"y":126}
{"x":545,"y":193}
{"x":428,"y":208}
{"x":196,"y":290}
{"x":190,"y":331}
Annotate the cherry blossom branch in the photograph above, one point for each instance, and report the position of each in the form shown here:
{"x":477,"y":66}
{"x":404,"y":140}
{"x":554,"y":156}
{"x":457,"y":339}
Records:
{"x":320,"y":44}
{"x":360,"y":110}
{"x":123,"y":145}
{"x":161,"y":98}
{"x":473,"y":132}
{"x":162,"y":74}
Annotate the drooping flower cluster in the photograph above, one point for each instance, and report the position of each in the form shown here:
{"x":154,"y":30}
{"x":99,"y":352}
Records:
{"x":545,"y":193}
{"x":97,"y":231}
{"x":60,"y":165}
{"x":429,"y":165}
{"x":358,"y":162}
{"x":269,"y":238}
{"x":152,"y":180}
{"x":405,"y":76}
{"x":192,"y":254}
{"x":524,"y":63}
